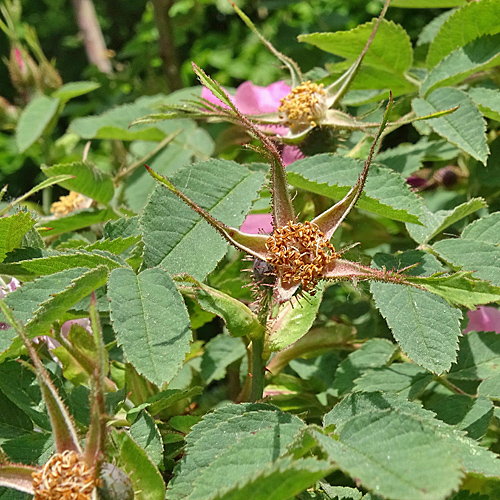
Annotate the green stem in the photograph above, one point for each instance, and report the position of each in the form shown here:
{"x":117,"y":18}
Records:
{"x":257,"y":369}
{"x":452,"y":387}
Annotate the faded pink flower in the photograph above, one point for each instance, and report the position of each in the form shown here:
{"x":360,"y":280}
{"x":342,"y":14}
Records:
{"x":252,"y":99}
{"x":484,"y":319}
{"x":258,"y":224}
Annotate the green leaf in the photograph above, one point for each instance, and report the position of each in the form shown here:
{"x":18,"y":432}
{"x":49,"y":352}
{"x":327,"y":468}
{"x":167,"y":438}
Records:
{"x":293,"y":321}
{"x":229,"y":446}
{"x":487,"y":100}
{"x":393,"y":455}
{"x":474,"y":20}
{"x":151,"y":322}
{"x":78,"y":220}
{"x":115,"y":246}
{"x":425,"y":326}
{"x":407,"y":158}
{"x":74,"y":89}
{"x":465,"y":127}
{"x":477,"y":256}
{"x":478,"y":358}
{"x":12,"y":230}
{"x":437,"y":222}
{"x":427,"y":4}
{"x":88,"y":180}
{"x":490,"y":387}
{"x":58,"y":303}
{"x":404,"y":379}
{"x":430,"y":31}
{"x":471,"y":415}
{"x":122,"y":228}
{"x":460,"y":289}
{"x":281,"y":481}
{"x":390,"y":54}
{"x":474,"y":457}
{"x":18,"y":383}
{"x":61,"y":261}
{"x":219,"y":353}
{"x":25,"y":300}
{"x":374,"y":353}
{"x":114,"y":124}
{"x":478,"y":55}
{"x":133,"y":460}
{"x":34,"y":119}
{"x":486,"y":229}
{"x":173,"y":231}
{"x":239,"y":319}
{"x":386,"y":193}
{"x":147,"y":436}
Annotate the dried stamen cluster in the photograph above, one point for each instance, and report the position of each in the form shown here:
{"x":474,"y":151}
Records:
{"x":67,"y":204}
{"x":304,"y":105}
{"x":300,"y":253}
{"x":65,"y":476}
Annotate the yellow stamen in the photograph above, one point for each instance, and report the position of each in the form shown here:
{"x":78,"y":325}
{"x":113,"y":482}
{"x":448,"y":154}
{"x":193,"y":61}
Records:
{"x":303,"y":106}
{"x":65,"y":476}
{"x":67,"y":204}
{"x":300,"y":253}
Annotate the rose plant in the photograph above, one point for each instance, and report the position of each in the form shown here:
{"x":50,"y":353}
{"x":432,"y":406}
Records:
{"x":262,"y":325}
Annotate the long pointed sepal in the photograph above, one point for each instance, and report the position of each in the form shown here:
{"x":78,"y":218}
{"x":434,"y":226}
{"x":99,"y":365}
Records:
{"x":329,"y":221}
{"x":17,"y":477}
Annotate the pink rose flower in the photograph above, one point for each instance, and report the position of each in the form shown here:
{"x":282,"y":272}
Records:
{"x":252,"y":99}
{"x":484,"y":319}
{"x":258,"y":224}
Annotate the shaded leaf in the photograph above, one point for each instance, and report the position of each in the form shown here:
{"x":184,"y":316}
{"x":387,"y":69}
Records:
{"x":405,"y":379}
{"x":374,"y":353}
{"x":147,"y":436}
{"x":478,"y":357}
{"x":88,"y":180}
{"x":12,"y":230}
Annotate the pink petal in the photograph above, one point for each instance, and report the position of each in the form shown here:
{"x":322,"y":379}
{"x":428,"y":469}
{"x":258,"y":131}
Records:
{"x":258,"y":224}
{"x":207,"y":94}
{"x":83,"y":322}
{"x":484,"y":319}
{"x":14,"y":283}
{"x":291,"y":154}
{"x":252,"y":99}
